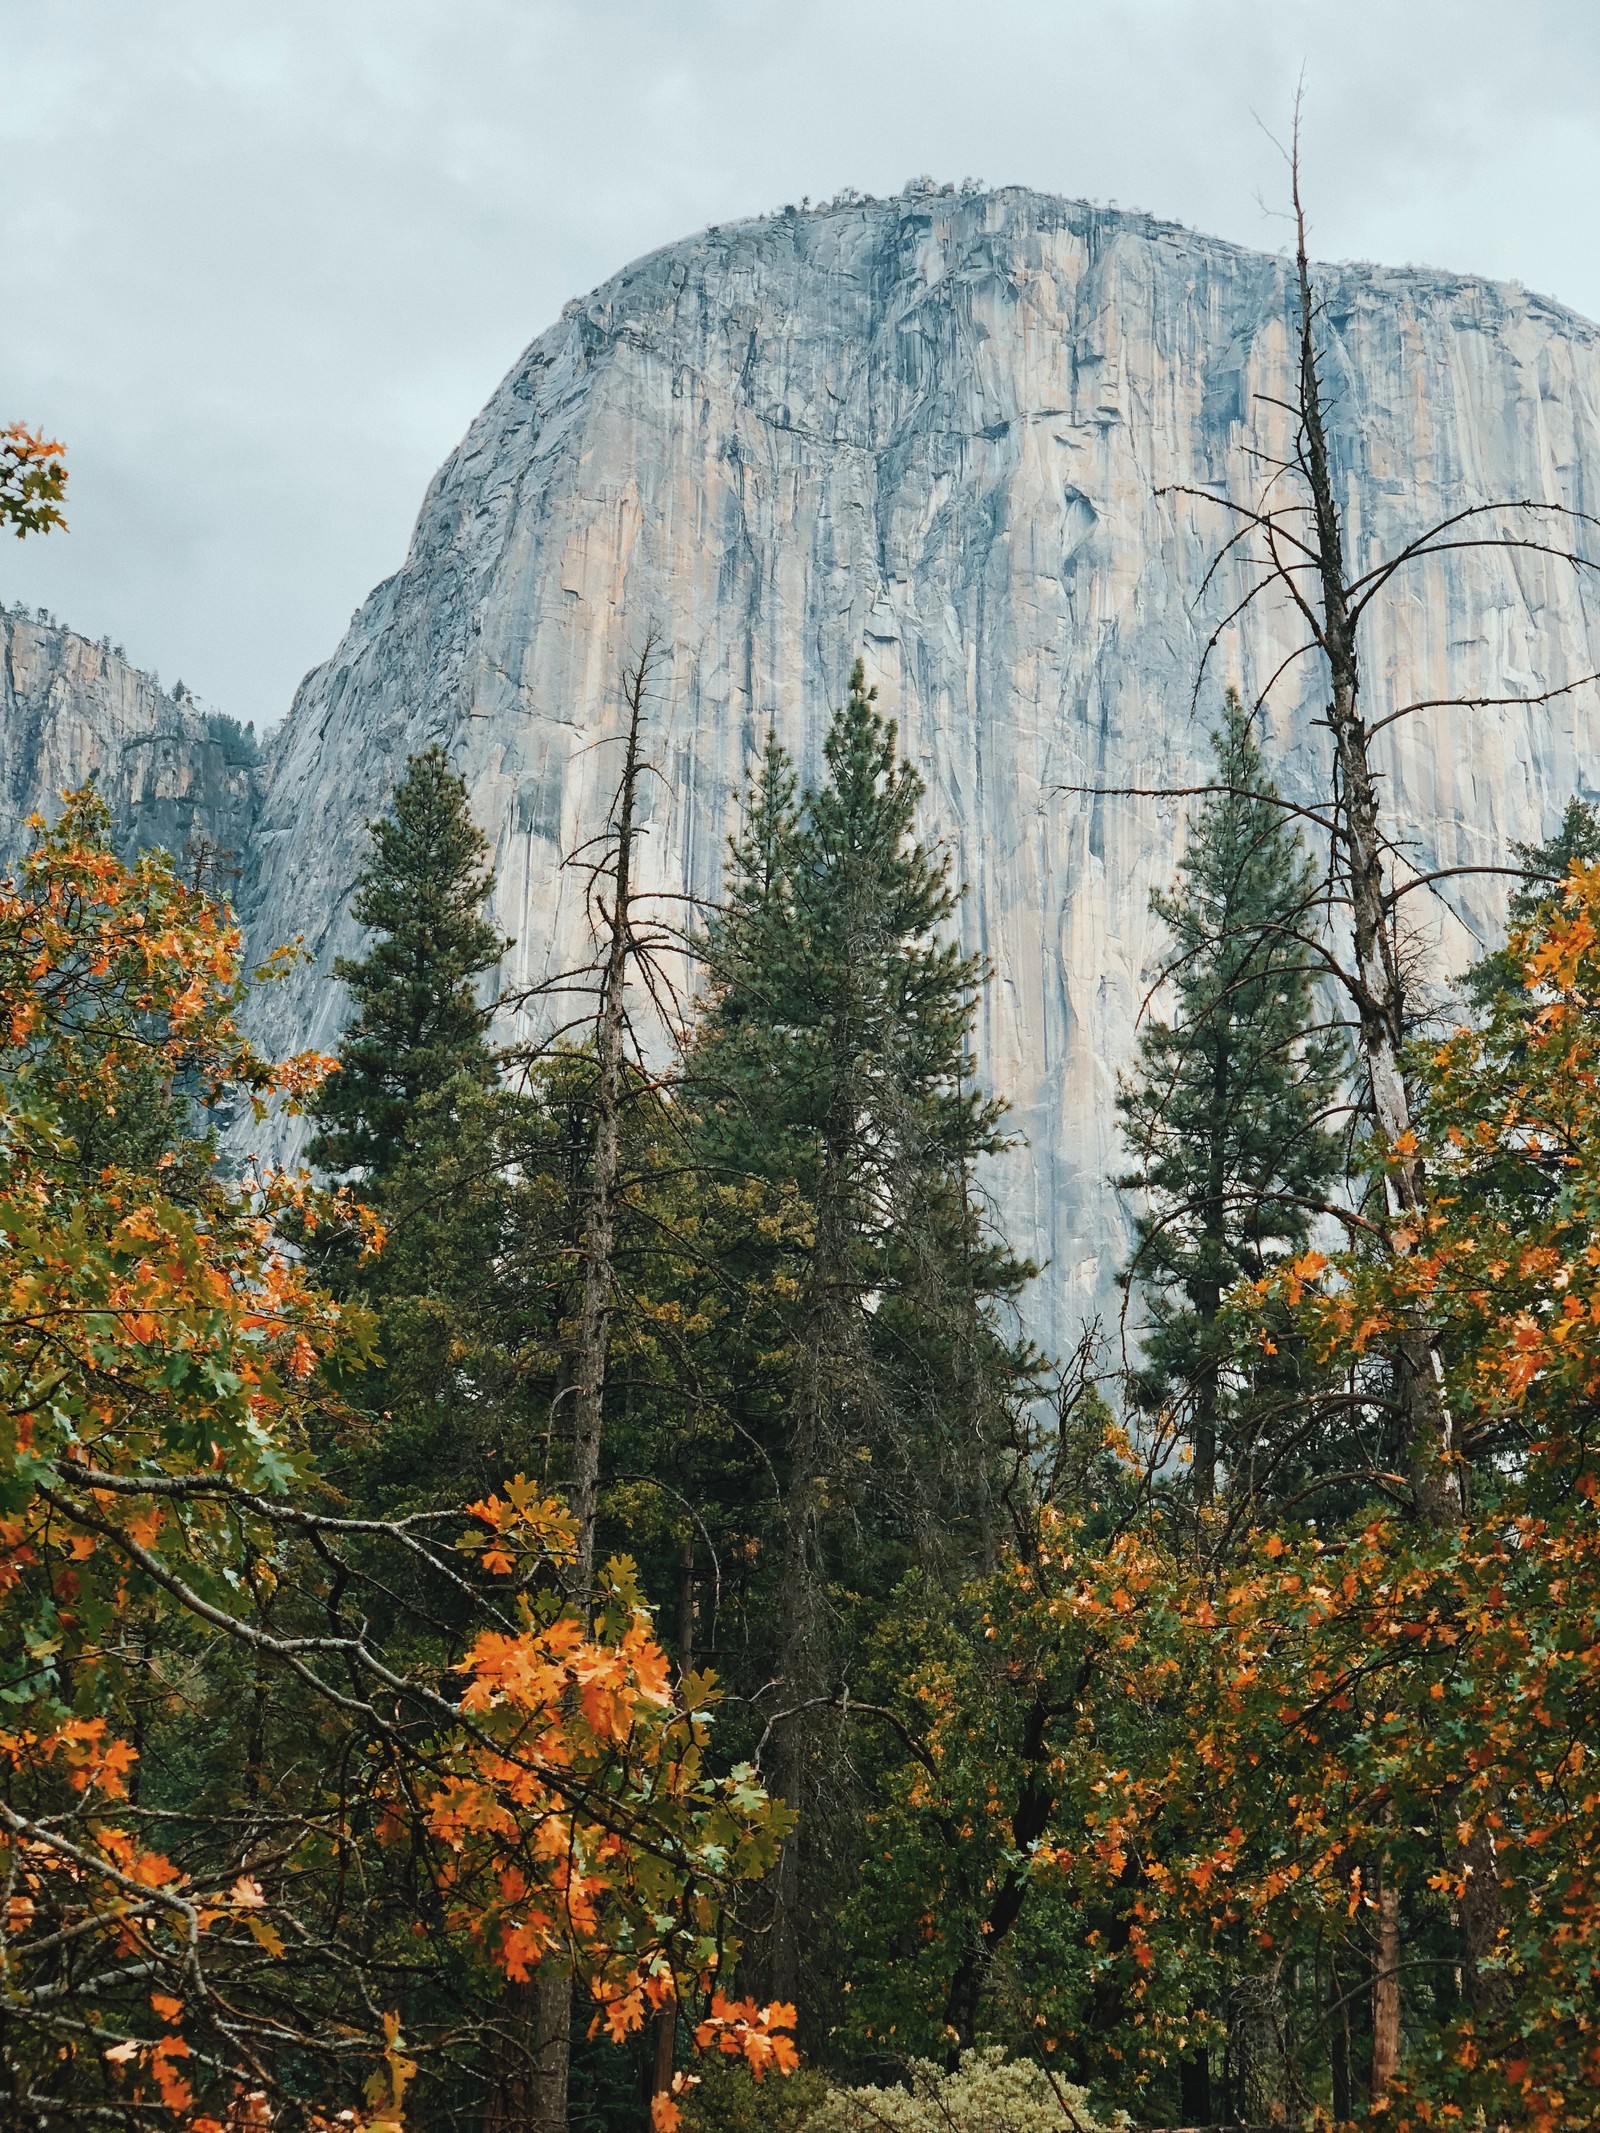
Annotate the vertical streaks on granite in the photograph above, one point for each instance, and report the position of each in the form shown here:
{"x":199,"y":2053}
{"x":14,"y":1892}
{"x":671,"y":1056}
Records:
{"x":946,"y":432}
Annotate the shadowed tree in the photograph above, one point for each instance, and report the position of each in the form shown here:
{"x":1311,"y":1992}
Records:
{"x":419,"y":1024}
{"x":833,"y":1060}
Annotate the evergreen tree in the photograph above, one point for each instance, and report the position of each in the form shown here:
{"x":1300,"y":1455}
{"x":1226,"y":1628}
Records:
{"x":416,"y":1112}
{"x":833,"y":1065}
{"x":834,"y":1061}
{"x":1497,"y":992}
{"x":1544,"y":869}
{"x":1225,"y":1115}
{"x":418,"y":1024}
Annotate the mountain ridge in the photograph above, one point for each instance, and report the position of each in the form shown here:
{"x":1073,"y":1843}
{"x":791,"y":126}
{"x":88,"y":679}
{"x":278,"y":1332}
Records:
{"x":947,"y":431}
{"x":173,"y":770}
{"x":944,"y":430}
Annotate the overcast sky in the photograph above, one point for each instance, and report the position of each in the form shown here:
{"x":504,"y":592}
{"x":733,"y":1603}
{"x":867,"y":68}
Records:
{"x":266,"y":258}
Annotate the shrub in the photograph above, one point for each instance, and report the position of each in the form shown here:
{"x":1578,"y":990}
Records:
{"x":988,"y":2093}
{"x":726,"y":2099}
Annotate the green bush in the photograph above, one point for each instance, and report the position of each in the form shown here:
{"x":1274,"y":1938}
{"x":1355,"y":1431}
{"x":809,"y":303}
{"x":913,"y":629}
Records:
{"x":727,"y":2100}
{"x":989,"y":2093}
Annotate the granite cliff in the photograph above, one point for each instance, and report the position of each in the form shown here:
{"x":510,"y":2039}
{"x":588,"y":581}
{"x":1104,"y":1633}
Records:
{"x":944,"y":431}
{"x":173,"y":772}
{"x":948,"y":431}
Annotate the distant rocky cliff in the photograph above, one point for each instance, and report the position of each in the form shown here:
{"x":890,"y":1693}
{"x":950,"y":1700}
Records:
{"x":949,"y":432}
{"x":172,"y":772}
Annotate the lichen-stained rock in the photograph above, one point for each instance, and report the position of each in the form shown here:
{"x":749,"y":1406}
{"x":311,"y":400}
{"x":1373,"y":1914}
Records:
{"x":950,"y":432}
{"x":173,"y":773}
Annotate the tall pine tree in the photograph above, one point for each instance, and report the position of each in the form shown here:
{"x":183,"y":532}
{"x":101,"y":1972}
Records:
{"x":833,"y":1062}
{"x":1225,"y":1115}
{"x":419,"y":1024}
{"x":415,"y":1113}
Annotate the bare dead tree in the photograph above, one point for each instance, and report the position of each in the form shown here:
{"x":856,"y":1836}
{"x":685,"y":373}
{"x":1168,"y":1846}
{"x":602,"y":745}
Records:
{"x":619,"y":951}
{"x":210,"y":864}
{"x":1379,"y":989}
{"x":533,"y":2074}
{"x":1291,"y":540}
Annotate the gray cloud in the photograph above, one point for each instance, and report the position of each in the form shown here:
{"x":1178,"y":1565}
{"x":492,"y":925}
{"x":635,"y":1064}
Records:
{"x":266,"y":260}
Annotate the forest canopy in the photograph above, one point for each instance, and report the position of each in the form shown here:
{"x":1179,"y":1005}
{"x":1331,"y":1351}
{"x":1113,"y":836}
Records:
{"x":582,"y":1606}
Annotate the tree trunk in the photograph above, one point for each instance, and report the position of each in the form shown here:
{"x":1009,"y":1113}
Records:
{"x":803,"y":1630}
{"x":1379,"y":988}
{"x":528,"y":2077}
{"x":829,"y":1349}
{"x":1339,"y":2054}
{"x":1208,"y":1294}
{"x":535,"y":2100}
{"x":665,"y":2038}
{"x":594,"y":1325}
{"x":1489,"y":1991}
{"x":552,"y":2064}
{"x":801,"y":1658}
{"x":1386,"y":1990}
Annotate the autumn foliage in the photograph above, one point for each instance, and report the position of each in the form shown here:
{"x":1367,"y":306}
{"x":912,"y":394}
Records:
{"x":1138,"y":1775}
{"x":33,"y":481}
{"x":274,"y":1821}
{"x":292,"y":1796}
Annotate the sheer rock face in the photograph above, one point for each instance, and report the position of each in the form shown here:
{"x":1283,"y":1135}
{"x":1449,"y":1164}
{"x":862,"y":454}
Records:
{"x":949,"y":432}
{"x":172,"y":772}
